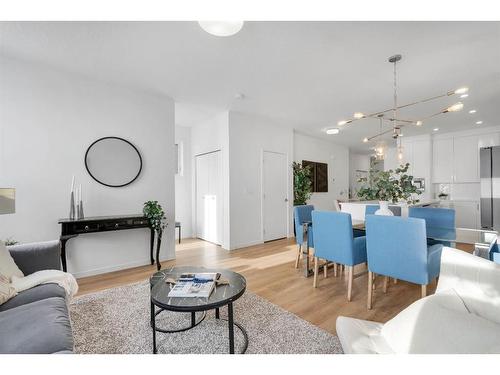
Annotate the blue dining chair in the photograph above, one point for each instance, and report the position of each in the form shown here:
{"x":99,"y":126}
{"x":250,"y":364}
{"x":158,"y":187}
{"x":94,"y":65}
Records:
{"x":397,"y":247}
{"x":302,"y":214}
{"x":334,"y":242}
{"x":435,"y":218}
{"x":493,"y":250}
{"x":371,"y":208}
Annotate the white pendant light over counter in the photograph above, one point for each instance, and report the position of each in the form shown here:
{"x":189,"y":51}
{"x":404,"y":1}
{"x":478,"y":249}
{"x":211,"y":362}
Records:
{"x":221,"y":28}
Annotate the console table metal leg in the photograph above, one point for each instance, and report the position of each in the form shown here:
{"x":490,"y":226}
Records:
{"x":231,"y":327}
{"x":193,"y":319}
{"x":217,"y":313}
{"x":153,"y":321}
{"x":151,"y":245}
{"x":158,"y":245}
{"x":63,"y":255}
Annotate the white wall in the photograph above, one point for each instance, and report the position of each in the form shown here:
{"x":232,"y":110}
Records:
{"x":47,"y":120}
{"x":208,"y":136}
{"x":183,"y":181}
{"x":249,"y":136}
{"x":337,"y":157}
{"x":357,"y":162}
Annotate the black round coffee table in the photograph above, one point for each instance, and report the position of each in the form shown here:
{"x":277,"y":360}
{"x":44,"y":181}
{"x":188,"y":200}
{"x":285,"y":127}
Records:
{"x":222,"y":295}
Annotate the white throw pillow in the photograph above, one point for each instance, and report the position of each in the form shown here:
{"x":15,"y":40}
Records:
{"x":8,"y":267}
{"x":7,"y":291}
{"x":441,"y":324}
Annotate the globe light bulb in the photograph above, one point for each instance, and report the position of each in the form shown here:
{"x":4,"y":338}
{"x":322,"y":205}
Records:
{"x":455,"y":107}
{"x":461,"y":90}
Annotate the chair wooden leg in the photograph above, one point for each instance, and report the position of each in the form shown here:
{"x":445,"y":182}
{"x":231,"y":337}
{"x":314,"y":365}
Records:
{"x":370,"y":291}
{"x":395,"y":281}
{"x":299,"y":250}
{"x":325,"y":270}
{"x":424,"y":291}
{"x":386,"y":281}
{"x":316,"y":271}
{"x":335,"y":266}
{"x":349,"y":283}
{"x":373,"y":280}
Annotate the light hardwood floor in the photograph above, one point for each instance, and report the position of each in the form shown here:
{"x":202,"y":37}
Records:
{"x":270,"y":273}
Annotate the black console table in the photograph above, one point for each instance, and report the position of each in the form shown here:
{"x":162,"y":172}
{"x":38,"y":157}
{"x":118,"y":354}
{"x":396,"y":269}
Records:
{"x":72,"y":228}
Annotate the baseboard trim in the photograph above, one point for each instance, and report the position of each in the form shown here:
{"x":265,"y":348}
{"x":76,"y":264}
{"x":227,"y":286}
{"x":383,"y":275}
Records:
{"x":247,"y":244}
{"x":119,"y":267}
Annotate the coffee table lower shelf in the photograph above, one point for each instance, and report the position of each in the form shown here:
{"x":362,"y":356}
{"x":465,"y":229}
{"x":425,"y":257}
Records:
{"x":195,"y":322}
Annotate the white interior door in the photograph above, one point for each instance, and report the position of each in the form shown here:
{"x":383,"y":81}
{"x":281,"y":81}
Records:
{"x":209,"y":197}
{"x":274,"y":196}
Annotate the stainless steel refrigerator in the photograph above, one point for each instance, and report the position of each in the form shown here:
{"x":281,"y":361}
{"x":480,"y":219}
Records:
{"x":490,"y":187}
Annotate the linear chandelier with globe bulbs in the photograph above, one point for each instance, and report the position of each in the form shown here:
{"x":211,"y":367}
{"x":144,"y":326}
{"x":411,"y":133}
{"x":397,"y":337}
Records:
{"x":398,"y":123}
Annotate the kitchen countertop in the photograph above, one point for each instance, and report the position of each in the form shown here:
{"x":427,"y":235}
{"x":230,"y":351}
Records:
{"x":418,"y":204}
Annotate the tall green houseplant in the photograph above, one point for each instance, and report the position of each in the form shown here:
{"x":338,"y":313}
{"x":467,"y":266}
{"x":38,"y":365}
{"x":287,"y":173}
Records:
{"x":302,"y":185}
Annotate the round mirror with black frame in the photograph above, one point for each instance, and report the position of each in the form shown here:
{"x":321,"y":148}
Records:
{"x":113,"y":161}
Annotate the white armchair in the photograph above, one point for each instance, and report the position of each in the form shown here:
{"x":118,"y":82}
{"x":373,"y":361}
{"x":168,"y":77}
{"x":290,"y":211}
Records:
{"x":463,"y":316}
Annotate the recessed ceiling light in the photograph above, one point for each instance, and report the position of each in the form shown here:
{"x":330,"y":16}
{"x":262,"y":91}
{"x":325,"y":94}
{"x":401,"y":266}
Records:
{"x":464,"y":95}
{"x":358,"y":115}
{"x":435,"y":129}
{"x":365,"y":140}
{"x":332,"y":131}
{"x":419,"y":123}
{"x":221,"y":28}
{"x":343,"y":122}
{"x":472,"y":111}
{"x":479,"y":122}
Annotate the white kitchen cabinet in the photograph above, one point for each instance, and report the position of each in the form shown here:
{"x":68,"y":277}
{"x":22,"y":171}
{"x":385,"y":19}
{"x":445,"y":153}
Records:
{"x":466,"y":213}
{"x":442,"y":154}
{"x":421,"y":159}
{"x":488,"y":140}
{"x":466,"y":159}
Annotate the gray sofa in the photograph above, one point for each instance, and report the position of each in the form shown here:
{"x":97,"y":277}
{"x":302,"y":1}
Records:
{"x":36,"y":320}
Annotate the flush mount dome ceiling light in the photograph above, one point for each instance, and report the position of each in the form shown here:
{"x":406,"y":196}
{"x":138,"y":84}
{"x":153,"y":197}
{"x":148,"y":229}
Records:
{"x":396,"y":122}
{"x":221,"y":28}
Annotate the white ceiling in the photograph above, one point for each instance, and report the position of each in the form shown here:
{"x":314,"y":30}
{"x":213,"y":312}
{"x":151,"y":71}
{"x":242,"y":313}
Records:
{"x":309,"y":74}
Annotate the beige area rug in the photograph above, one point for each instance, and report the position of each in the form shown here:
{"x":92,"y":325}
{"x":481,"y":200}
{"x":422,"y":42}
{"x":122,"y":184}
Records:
{"x":117,"y":321}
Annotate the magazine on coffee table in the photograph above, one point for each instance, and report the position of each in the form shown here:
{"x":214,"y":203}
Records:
{"x":194,"y":285}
